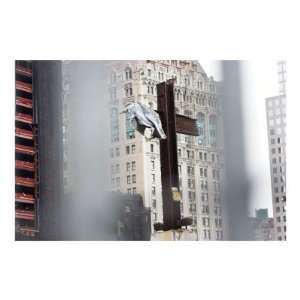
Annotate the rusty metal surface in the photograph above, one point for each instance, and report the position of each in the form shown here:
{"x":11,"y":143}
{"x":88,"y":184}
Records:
{"x":186,"y":125}
{"x":24,"y":149}
{"x":24,"y":165}
{"x":23,"y":86}
{"x":25,"y":118}
{"x":168,"y":154}
{"x":24,"y":198}
{"x":25,"y":102}
{"x":23,"y":133}
{"x":23,"y":71}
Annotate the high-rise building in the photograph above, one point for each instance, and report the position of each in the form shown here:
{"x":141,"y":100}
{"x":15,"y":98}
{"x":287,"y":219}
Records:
{"x":38,"y":149}
{"x":135,"y":162}
{"x":26,"y":155}
{"x":276,"y":119}
{"x":262,"y":224}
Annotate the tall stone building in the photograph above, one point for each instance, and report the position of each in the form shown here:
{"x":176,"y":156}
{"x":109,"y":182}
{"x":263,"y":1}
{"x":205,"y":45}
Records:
{"x":276,"y":119}
{"x":135,"y":162}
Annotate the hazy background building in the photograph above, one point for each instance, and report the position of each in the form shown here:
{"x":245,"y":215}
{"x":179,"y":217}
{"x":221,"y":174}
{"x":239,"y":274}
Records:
{"x":276,"y":119}
{"x":262,"y":224}
{"x":135,"y":162}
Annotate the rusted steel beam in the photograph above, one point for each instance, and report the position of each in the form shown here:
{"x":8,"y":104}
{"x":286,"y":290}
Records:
{"x":25,"y":149}
{"x":23,"y":71}
{"x":25,"y":214}
{"x":168,"y":155}
{"x":24,"y":198}
{"x":25,"y":102}
{"x":25,"y":118}
{"x":186,"y":125}
{"x":25,"y":181}
{"x":23,"y":86}
{"x":24,"y":165}
{"x":23,"y":133}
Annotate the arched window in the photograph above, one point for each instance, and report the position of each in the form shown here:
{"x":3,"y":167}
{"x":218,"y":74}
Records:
{"x":114,"y":124}
{"x":201,"y":128}
{"x":130,"y":127}
{"x":128,"y":73}
{"x":212,"y":129}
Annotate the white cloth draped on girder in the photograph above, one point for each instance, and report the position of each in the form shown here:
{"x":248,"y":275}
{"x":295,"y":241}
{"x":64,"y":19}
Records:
{"x":143,"y":118}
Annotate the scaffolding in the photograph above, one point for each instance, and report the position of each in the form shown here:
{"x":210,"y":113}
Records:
{"x":26,"y":155}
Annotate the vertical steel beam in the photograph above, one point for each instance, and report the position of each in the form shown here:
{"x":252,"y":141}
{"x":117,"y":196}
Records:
{"x":168,"y":154}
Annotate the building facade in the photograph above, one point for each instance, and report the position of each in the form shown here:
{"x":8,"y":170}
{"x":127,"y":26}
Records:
{"x":276,"y":120}
{"x":262,"y":225}
{"x":26,"y":155}
{"x":135,"y":162}
{"x":38,"y":126}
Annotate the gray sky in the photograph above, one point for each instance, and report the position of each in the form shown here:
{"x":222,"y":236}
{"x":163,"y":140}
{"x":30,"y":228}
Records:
{"x":259,"y":81}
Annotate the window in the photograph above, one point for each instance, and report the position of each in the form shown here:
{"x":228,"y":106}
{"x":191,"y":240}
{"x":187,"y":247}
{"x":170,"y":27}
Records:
{"x":153,"y":191}
{"x":114,"y":124}
{"x":272,"y":141}
{"x":117,"y":151}
{"x":205,"y":156}
{"x":128,"y":167}
{"x":190,"y":171}
{"x":212,"y":129}
{"x":201,"y":128}
{"x":134,"y":178}
{"x":149,"y":72}
{"x":127,"y":150}
{"x":204,"y":197}
{"x":133,"y":166}
{"x":152,"y":164}
{"x":151,"y":148}
{"x":205,"y":221}
{"x":128,"y":73}
{"x":118,"y":181}
{"x":117,"y":168}
{"x":272,"y":131}
{"x":153,"y":203}
{"x":273,"y":150}
{"x":133,"y":149}
{"x":134,"y":191}
{"x":128,"y":179}
{"x":279,"y":150}
{"x":128,"y":90}
{"x":130,"y":127}
{"x":200,"y":155}
{"x":205,"y":209}
{"x":179,"y":152}
{"x":129,"y":191}
{"x":153,"y":178}
{"x":213,"y":157}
